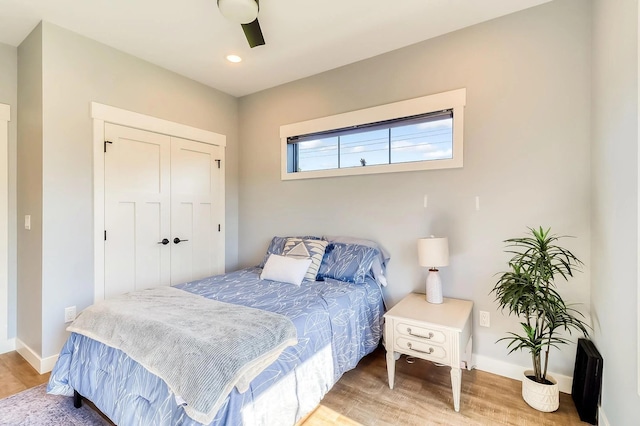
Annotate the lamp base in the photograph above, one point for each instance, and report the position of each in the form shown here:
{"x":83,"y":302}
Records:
{"x":434,"y":287}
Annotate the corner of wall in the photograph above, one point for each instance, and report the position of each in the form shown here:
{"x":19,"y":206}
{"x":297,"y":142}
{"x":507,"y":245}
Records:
{"x":41,"y":365}
{"x":29,"y":190}
{"x":602,"y":418}
{"x":513,"y":371}
{"x":7,"y":345}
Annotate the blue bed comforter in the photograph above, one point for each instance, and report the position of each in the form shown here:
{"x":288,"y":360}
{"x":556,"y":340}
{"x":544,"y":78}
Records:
{"x":345,"y":316}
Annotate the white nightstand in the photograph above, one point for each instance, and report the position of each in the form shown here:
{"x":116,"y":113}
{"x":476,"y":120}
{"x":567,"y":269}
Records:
{"x":434,"y":332}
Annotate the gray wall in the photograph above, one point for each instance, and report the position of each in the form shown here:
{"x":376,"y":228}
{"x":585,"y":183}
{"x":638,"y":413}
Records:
{"x":526,"y":157}
{"x":9,"y":96}
{"x":77,"y":71}
{"x":614,"y":204}
{"x":29,"y":301}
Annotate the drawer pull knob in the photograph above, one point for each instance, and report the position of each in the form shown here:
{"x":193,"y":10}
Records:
{"x":430,"y":351}
{"x":430,"y":336}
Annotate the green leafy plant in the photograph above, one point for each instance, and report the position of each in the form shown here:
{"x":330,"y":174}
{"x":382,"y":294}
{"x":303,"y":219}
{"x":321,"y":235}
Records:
{"x":528,"y":291}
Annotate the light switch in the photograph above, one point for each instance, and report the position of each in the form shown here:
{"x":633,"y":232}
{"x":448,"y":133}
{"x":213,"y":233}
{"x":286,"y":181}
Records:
{"x":27,"y":221}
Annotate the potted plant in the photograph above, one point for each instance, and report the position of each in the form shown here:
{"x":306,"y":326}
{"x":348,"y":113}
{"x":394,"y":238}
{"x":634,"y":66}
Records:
{"x":528,"y":291}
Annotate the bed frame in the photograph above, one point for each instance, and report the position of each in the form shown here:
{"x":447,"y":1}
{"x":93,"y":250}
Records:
{"x":77,"y":399}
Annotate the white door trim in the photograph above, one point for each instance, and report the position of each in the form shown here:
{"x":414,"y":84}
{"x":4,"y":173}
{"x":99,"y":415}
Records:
{"x":102,"y":114}
{"x":5,"y":117}
{"x":638,"y":218}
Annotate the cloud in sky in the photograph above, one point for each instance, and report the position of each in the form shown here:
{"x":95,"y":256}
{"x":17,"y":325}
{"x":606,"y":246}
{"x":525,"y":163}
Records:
{"x":438,"y":155}
{"x":411,"y":145}
{"x":318,"y":145}
{"x":438,"y":124}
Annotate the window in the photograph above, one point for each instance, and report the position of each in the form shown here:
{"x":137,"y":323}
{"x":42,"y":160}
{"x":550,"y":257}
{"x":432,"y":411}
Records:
{"x":418,"y":134}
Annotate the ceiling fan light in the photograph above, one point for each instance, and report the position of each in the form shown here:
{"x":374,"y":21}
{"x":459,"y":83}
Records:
{"x":239,"y":11}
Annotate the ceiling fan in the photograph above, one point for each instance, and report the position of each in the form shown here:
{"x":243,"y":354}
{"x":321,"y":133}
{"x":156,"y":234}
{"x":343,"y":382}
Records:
{"x":244,"y":12}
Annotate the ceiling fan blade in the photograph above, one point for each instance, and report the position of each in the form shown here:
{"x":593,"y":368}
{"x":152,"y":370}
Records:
{"x":253,"y":33}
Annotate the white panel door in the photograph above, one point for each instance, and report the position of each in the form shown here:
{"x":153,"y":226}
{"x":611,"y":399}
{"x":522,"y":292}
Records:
{"x":195,"y":197}
{"x":137,"y":210}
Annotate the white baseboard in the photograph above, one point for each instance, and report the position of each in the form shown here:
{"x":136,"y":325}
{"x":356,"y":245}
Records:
{"x":42,"y":365}
{"x":7,"y":345}
{"x":514,"y":371}
{"x":602,"y":419}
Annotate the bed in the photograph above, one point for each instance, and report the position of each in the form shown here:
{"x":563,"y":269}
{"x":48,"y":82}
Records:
{"x":338,"y":320}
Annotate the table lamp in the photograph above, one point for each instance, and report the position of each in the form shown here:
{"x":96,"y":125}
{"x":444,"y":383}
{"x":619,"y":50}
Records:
{"x":433,"y":252}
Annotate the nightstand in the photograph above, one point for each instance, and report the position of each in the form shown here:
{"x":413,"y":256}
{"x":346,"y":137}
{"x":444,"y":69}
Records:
{"x":434,"y":332}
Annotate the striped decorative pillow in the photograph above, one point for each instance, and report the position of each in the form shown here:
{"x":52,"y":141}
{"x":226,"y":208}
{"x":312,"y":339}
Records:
{"x":306,"y":249}
{"x":277,"y":246}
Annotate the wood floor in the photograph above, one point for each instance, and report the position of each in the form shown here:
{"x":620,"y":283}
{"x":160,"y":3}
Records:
{"x":421,"y":396}
{"x":17,"y":375}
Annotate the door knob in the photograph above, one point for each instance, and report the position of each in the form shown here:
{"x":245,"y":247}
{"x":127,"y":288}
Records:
{"x":176,"y":240}
{"x":164,"y":242}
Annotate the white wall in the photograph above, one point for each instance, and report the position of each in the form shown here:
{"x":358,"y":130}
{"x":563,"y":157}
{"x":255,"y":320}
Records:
{"x":526,"y":157}
{"x":75,"y":72}
{"x":29,"y":184}
{"x":9,"y":96}
{"x":614,"y":204}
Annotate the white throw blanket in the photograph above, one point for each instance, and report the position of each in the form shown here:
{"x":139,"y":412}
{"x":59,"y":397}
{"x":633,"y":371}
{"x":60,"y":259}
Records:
{"x":200,"y":347}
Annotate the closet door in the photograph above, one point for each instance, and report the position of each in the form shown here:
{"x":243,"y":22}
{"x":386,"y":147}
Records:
{"x":137,"y":210}
{"x":163,"y":200}
{"x":195,"y":193}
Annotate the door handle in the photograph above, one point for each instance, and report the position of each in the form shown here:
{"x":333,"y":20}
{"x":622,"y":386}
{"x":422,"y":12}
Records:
{"x":164,"y":242}
{"x":176,"y":240}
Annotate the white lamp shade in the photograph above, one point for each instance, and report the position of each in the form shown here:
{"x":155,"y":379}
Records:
{"x":239,"y":11}
{"x":433,"y":252}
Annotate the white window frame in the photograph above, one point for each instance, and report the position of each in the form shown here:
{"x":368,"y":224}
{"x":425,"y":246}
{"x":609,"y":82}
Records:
{"x":454,"y":99}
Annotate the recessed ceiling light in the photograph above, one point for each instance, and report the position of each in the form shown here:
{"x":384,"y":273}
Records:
{"x":234,"y":58}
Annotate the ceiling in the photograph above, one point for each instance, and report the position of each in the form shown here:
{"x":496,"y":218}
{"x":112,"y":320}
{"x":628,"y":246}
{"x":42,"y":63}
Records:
{"x":303,"y":37}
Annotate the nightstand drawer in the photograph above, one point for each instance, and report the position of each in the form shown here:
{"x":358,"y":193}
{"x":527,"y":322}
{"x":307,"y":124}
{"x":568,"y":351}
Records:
{"x":424,"y":334}
{"x":422,"y":349}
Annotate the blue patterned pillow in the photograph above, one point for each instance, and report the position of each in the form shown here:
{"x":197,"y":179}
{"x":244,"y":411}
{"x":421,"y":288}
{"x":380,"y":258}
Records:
{"x":276,"y":246}
{"x":347,"y":262}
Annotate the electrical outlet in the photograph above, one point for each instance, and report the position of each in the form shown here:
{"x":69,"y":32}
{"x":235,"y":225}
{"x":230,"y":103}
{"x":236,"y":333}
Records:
{"x":485,"y":319}
{"x":69,"y":314}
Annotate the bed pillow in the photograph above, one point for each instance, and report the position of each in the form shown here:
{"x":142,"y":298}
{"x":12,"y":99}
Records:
{"x":276,"y":246}
{"x":285,"y":269}
{"x":301,"y":248}
{"x":347,"y":262}
{"x":379,"y":265}
{"x":384,"y":254}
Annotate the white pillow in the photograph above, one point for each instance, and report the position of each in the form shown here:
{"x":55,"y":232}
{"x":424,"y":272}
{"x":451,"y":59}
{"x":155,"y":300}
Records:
{"x":285,"y":269}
